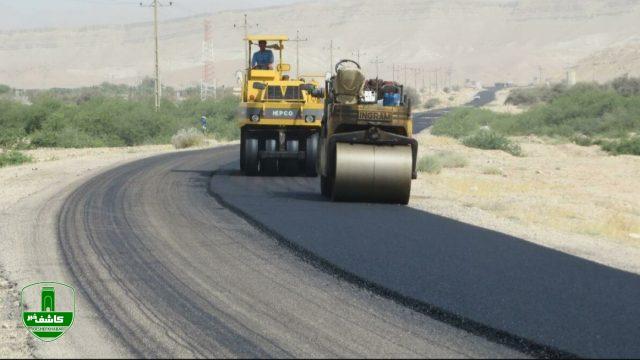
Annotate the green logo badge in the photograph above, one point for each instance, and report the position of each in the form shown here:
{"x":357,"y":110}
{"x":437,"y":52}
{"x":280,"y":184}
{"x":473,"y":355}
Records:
{"x":57,"y":304}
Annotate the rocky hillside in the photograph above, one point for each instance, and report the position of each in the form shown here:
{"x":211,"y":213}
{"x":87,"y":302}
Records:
{"x":487,"y":40}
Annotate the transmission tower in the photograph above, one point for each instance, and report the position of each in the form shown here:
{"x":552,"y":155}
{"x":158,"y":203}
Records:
{"x":208,"y":82}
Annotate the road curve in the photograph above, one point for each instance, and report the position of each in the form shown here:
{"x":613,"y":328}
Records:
{"x":175,"y":274}
{"x":537,"y":299}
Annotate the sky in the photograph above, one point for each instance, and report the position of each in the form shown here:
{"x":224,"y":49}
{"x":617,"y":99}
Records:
{"x":31,"y":14}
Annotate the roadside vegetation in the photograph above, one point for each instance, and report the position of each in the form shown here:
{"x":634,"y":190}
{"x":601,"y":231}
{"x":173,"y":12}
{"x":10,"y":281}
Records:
{"x":13,"y":157}
{"x":109,"y":115}
{"x":433,"y":164}
{"x":186,"y":138}
{"x":587,"y":114}
{"x":413,"y":95}
{"x":491,"y":140}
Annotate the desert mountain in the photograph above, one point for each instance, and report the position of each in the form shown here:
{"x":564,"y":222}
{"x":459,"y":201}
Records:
{"x":486,"y":40}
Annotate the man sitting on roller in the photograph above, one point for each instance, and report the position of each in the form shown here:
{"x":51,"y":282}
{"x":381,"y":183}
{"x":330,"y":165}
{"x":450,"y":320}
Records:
{"x":263,"y":59}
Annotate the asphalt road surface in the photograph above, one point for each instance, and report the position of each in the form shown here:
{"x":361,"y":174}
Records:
{"x":176,"y":274}
{"x":424,"y":119}
{"x":181,"y":256}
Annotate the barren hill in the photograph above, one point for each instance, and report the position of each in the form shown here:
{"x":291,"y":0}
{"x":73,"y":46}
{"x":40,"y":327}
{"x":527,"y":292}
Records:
{"x":487,"y":40}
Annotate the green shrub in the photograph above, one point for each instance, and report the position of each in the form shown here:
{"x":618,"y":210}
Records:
{"x":186,"y":138}
{"x":433,"y":164}
{"x":11,"y":138}
{"x":449,"y":159}
{"x":430,"y":164}
{"x":582,"y":140}
{"x":431,"y":103}
{"x":413,"y":95}
{"x":624,"y":146}
{"x":626,"y":86}
{"x":489,"y":140}
{"x":109,"y":115}
{"x":583,"y":113}
{"x":535,"y":95}
{"x":13,"y":157}
{"x":492,"y":170}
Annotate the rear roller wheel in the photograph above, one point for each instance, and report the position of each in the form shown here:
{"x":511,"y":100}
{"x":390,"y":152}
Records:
{"x":251,"y":157}
{"x":311,"y":155}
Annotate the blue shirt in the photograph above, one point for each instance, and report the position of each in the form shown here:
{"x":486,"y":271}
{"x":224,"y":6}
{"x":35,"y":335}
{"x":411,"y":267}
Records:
{"x":262,"y":58}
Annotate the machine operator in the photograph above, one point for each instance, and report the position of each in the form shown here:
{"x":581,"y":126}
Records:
{"x":263,"y":58}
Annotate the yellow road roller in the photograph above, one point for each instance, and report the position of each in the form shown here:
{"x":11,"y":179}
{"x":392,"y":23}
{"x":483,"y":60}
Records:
{"x":366,"y":152}
{"x":279,"y":116}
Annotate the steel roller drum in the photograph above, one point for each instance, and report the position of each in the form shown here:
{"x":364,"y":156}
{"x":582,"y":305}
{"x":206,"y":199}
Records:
{"x":372,"y":173}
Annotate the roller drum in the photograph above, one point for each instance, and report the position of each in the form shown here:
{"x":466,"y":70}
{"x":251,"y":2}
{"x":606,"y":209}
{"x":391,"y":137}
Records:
{"x":372,"y":173}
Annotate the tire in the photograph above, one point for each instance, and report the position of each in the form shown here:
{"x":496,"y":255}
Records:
{"x":291,"y":166}
{"x":311,"y":158}
{"x":242,"y":145}
{"x":269,"y":166}
{"x":325,"y":186}
{"x":251,"y":157}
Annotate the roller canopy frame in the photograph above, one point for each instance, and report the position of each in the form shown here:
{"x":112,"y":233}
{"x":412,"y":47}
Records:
{"x":370,"y":136}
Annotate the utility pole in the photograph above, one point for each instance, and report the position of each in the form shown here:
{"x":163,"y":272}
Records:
{"x":331,"y":48}
{"x":357,"y":55}
{"x":297,"y":40}
{"x":405,"y":74}
{"x":158,"y":88}
{"x":377,"y":62}
{"x":415,"y":77}
{"x":155,"y":32}
{"x":540,"y":80}
{"x":245,"y":26}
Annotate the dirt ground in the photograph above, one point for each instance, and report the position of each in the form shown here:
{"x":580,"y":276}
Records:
{"x":579,"y":200}
{"x":30,"y":195}
{"x":448,"y":99}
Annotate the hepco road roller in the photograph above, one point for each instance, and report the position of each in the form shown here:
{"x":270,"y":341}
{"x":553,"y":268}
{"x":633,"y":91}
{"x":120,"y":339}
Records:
{"x":366,"y":149}
{"x":280,"y":116}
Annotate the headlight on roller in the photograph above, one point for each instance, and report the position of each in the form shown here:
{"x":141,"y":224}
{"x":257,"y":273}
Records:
{"x":310,"y":118}
{"x":255,"y":117}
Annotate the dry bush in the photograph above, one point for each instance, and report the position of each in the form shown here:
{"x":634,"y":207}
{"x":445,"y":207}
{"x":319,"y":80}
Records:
{"x":186,"y":138}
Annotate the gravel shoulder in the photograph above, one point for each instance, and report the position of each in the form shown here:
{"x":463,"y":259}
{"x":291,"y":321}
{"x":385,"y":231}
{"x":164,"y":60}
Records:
{"x":575,"y":199}
{"x":30,"y":197}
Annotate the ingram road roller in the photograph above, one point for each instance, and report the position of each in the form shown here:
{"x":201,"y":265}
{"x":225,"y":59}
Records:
{"x":279,"y":116}
{"x":366,"y":150}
